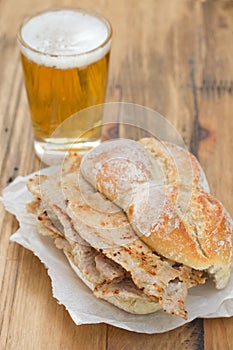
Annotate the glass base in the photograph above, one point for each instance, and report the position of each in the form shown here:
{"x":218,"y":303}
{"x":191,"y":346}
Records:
{"x":54,"y":151}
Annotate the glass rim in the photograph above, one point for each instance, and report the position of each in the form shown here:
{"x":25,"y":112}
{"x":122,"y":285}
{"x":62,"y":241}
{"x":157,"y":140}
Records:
{"x":24,"y":44}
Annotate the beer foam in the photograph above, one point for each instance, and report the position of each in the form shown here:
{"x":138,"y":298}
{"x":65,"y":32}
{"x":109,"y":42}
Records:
{"x":65,"y":38}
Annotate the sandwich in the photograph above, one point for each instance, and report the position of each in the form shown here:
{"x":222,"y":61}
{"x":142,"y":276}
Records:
{"x":137,"y":223}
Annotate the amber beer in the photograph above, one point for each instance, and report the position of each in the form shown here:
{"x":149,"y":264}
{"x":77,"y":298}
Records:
{"x":65,"y":56}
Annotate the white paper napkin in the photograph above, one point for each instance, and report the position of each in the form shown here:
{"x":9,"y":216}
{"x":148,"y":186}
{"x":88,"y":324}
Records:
{"x":82,"y":305}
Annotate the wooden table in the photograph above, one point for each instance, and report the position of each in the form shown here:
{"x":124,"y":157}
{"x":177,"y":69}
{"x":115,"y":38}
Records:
{"x":173,"y":56}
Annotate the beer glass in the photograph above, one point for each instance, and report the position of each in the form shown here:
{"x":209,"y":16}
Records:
{"x":65,"y":58}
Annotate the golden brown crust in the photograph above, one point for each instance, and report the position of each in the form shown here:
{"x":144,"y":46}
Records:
{"x":177,"y":218}
{"x":200,"y":237}
{"x":163,"y":230}
{"x":214,"y":231}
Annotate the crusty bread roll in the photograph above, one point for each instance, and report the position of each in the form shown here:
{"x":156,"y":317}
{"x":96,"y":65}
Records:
{"x":174,"y":216}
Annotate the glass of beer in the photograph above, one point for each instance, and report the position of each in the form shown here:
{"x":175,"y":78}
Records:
{"x":65,"y":58}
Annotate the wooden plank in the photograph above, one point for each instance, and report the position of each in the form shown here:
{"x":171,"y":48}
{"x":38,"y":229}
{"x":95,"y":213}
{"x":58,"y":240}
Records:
{"x":188,"y":337}
{"x":218,"y":333}
{"x":157,"y":72}
{"x":47,"y":323}
{"x":214,"y":96}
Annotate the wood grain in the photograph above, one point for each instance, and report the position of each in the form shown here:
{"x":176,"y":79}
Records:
{"x":188,"y":337}
{"x":172,"y":56}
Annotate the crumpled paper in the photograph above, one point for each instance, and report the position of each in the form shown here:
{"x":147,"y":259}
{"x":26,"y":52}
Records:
{"x":203,"y":301}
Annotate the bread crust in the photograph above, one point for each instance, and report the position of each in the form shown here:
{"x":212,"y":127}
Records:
{"x":164,"y":230}
{"x":176,"y":217}
{"x":180,"y":167}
